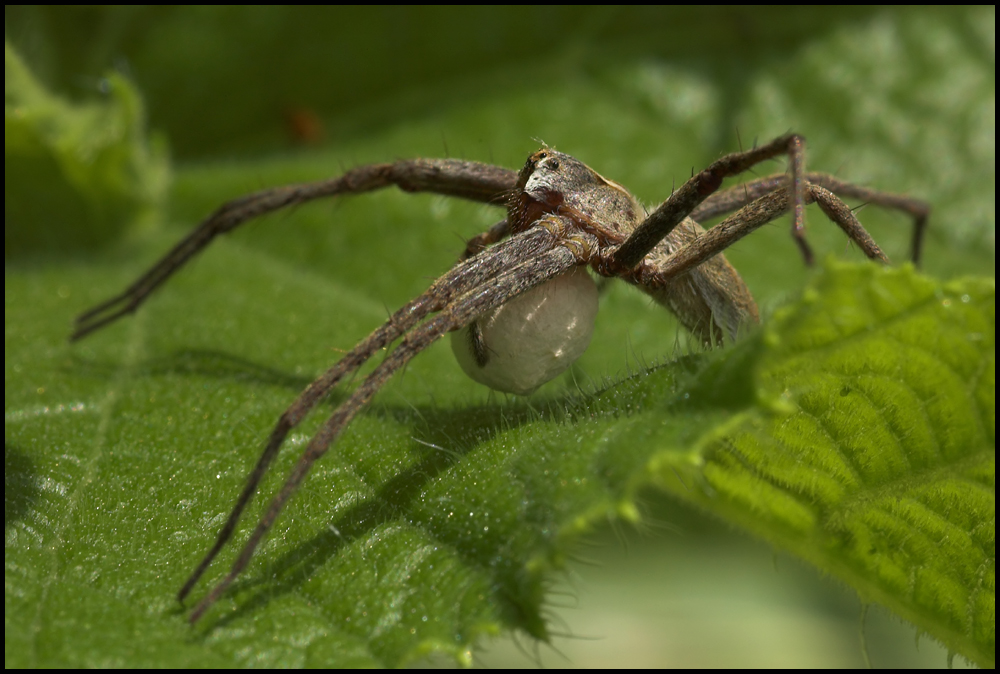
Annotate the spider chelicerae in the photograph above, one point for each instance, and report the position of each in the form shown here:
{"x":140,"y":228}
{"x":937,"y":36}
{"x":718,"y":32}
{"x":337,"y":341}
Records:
{"x":520,"y":303}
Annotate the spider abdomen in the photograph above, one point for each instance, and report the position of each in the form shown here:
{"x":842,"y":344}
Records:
{"x":531,"y":339}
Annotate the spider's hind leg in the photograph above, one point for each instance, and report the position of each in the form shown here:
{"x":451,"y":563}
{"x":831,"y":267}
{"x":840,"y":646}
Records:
{"x":450,"y":177}
{"x":749,"y":218}
{"x":733,"y":198}
{"x":687,"y":274}
{"x":701,"y":186}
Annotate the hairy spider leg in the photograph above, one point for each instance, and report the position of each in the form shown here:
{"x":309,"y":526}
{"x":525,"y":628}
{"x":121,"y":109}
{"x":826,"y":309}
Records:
{"x":450,"y":177}
{"x":533,"y":269}
{"x":696,"y":189}
{"x":752,"y":216}
{"x":478,"y":243}
{"x":732,"y":198}
{"x":463,"y":278}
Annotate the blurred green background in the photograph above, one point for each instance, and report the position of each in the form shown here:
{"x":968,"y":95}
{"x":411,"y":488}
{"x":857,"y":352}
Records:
{"x":247,"y":98}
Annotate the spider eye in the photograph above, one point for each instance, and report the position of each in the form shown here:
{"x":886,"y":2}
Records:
{"x":552,"y":165}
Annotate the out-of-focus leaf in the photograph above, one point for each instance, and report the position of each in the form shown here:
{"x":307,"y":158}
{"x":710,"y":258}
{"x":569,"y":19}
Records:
{"x":75,"y":175}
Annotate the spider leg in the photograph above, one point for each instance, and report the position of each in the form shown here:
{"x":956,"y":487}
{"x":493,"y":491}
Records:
{"x":463,"y":278}
{"x":730,"y":199}
{"x":452,"y":177}
{"x":736,"y":197}
{"x":531,"y":271}
{"x":915,"y":208}
{"x":686,"y":198}
{"x":473,"y":247}
{"x":844,"y":217}
{"x":487,"y":238}
{"x":752,"y":216}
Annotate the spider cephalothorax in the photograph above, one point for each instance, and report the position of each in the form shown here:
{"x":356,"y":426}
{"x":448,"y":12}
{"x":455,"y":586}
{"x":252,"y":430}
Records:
{"x":536,"y":336}
{"x":553,"y":182}
{"x":521,"y":302}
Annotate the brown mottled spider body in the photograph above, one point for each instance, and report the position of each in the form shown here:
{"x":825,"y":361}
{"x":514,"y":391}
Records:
{"x":521,"y":280}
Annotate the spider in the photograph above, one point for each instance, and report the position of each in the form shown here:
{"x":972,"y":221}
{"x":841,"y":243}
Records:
{"x":520,"y":304}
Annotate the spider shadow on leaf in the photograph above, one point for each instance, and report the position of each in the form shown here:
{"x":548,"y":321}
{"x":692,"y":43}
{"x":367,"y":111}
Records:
{"x":437,"y":448}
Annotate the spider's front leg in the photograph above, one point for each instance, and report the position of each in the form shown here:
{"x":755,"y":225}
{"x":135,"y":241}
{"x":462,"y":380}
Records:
{"x":700,"y":186}
{"x":521,"y":263}
{"x":658,"y":273}
{"x":680,"y":265}
{"x":734,"y":198}
{"x":460,"y":280}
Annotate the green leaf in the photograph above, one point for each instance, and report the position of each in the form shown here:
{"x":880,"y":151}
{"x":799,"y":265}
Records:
{"x":124,"y":453}
{"x":882,"y":471}
{"x":74,"y":175}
